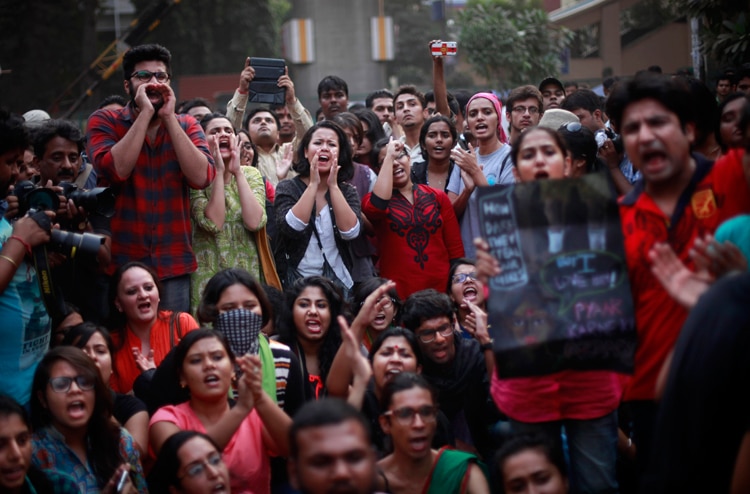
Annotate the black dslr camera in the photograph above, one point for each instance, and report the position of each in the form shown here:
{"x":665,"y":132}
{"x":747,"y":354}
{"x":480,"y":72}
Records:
{"x":32,"y":199}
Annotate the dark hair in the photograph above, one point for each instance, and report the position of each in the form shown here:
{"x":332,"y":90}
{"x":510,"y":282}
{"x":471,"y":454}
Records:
{"x":332,"y":83}
{"x":521,"y":442}
{"x":117,"y":320}
{"x":13,"y":133}
{"x":523,"y":93}
{"x":370,"y":285}
{"x":336,"y":307}
{"x":213,"y":116}
{"x":374,"y":130}
{"x":80,"y":334}
{"x":584,"y":99}
{"x":322,"y":413}
{"x":191,"y":338}
{"x":462,"y":98}
{"x":671,"y":93}
{"x":350,"y":121}
{"x":380,"y":93}
{"x":253,"y":163}
{"x":113,"y":99}
{"x":410,"y":89}
{"x":461,"y":261}
{"x":145,"y":53}
{"x":516,"y":147}
{"x":608,"y":82}
{"x":424,"y":305}
{"x":302,"y":166}
{"x":377,"y":147}
{"x":102,"y":434}
{"x":56,"y":128}
{"x":426,"y":128}
{"x":403,"y":382}
{"x":704,"y":104}
{"x":581,"y":144}
{"x":277,"y":302}
{"x":10,"y":407}
{"x":720,"y":111}
{"x":255,"y":111}
{"x":192,"y":103}
{"x":207,"y":311}
{"x":163,"y":475}
{"x":394,"y":332}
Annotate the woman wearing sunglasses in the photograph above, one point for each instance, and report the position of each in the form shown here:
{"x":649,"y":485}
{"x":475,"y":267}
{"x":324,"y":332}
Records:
{"x":415,"y":224}
{"x":410,"y":420}
{"x":71,"y":410}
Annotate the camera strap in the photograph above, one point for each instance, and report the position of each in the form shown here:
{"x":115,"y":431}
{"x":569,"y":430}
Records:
{"x":51,"y":293}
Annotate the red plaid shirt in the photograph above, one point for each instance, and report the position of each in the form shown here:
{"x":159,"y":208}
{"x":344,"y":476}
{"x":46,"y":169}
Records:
{"x":152,"y":219}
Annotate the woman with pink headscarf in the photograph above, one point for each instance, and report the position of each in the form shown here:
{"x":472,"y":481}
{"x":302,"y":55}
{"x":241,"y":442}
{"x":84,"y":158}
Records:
{"x":487,"y":164}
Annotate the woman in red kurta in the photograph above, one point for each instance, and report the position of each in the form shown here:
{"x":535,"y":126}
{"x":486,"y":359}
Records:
{"x":142,"y":334}
{"x":416,"y":227}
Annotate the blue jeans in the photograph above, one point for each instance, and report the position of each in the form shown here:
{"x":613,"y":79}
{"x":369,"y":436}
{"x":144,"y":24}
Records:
{"x":176,"y":296}
{"x":592,"y":450}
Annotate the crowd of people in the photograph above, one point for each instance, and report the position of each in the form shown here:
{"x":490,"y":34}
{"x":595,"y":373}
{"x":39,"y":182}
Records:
{"x":257,"y":301}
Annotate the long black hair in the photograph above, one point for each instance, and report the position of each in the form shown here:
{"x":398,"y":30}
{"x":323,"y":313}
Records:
{"x":102,"y":434}
{"x":302,"y":165}
{"x":337,"y":307}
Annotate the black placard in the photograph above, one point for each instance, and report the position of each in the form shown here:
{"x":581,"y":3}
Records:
{"x":562,"y":300}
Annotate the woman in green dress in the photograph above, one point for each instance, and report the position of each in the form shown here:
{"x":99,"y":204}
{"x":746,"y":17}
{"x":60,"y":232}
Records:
{"x":228,"y":213}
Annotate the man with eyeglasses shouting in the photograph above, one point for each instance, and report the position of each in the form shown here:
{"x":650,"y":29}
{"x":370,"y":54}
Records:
{"x":523,"y":110}
{"x":151,"y":157}
{"x":455,"y":366}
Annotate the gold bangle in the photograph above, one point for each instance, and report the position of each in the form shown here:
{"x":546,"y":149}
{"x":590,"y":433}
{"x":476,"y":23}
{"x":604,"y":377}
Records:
{"x":10,"y":260}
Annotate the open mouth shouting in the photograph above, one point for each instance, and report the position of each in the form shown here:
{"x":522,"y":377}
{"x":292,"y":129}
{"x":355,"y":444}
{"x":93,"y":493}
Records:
{"x":77,"y":410}
{"x":470,"y":293}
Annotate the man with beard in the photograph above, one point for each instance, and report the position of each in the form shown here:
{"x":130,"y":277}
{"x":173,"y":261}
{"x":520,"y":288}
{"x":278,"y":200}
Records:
{"x":330,"y":450}
{"x":57,"y":148}
{"x":25,"y":327}
{"x":151,"y":157}
{"x":457,"y":367}
{"x":523,"y":109}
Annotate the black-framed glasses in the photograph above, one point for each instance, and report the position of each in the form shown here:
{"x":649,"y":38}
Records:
{"x":572,"y":127}
{"x":198,"y":468}
{"x":462,"y":277}
{"x":147,"y":75}
{"x":533,"y":110}
{"x":405,"y":415}
{"x":428,"y":336}
{"x":62,"y":384}
{"x":389,"y":302}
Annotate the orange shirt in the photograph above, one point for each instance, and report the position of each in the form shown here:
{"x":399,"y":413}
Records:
{"x":124,"y":369}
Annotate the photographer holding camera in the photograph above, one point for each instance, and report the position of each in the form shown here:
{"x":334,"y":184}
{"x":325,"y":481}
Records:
{"x":587,"y":106}
{"x":25,"y":328}
{"x":57,"y":146}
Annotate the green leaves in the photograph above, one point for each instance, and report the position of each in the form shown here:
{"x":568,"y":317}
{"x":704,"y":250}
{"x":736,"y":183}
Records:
{"x":511,"y":43}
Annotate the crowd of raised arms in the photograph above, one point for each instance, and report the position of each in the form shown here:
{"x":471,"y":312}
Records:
{"x":257,"y":301}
